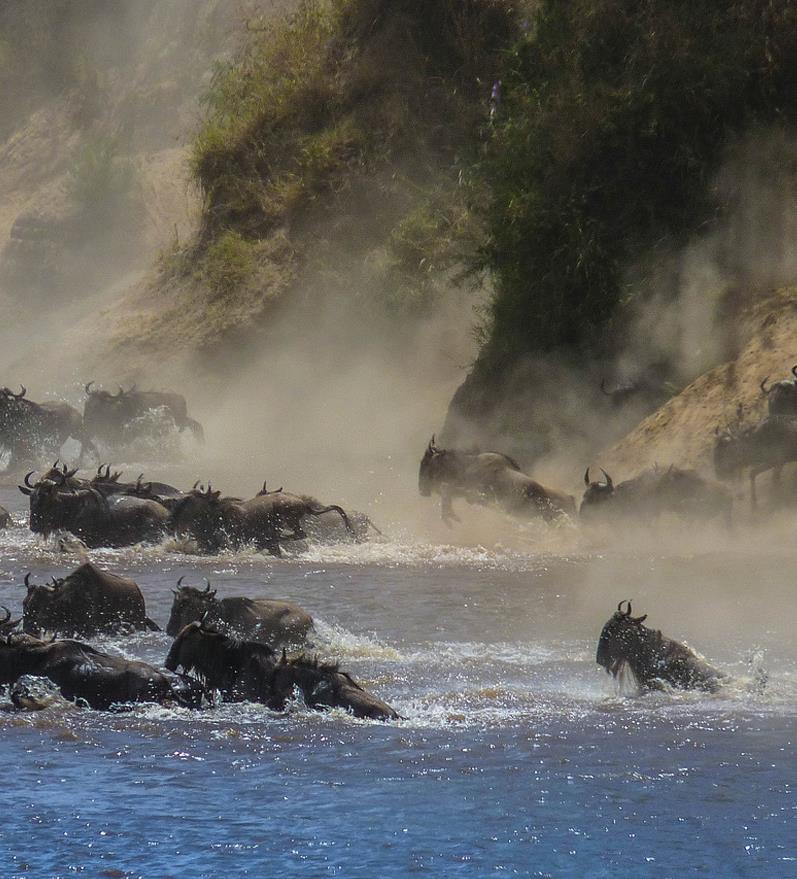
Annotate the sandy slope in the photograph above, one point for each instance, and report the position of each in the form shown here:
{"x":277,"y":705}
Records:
{"x":682,"y":431}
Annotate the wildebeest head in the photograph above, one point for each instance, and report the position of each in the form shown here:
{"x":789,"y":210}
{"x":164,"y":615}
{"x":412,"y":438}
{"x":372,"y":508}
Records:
{"x":189,"y":605}
{"x":54,"y":502}
{"x":12,"y":407}
{"x":200,"y":515}
{"x":241,"y":669}
{"x":7,"y":625}
{"x":323,"y":685}
{"x":38,"y":605}
{"x":621,"y":639}
{"x":430,"y":464}
{"x":596,"y":492}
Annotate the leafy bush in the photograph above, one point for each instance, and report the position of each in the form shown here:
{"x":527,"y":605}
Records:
{"x":615,"y":119}
{"x":340,"y":88}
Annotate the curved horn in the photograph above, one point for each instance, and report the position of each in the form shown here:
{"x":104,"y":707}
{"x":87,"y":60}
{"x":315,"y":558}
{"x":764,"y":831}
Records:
{"x":586,"y":477}
{"x":22,"y":393}
{"x":180,"y":582}
{"x":764,"y":391}
{"x":89,"y":392}
{"x":207,"y":588}
{"x":609,"y":480}
{"x":26,"y":480}
{"x":27,"y":580}
{"x":626,"y":613}
{"x":8,"y":614}
{"x":639,"y":619}
{"x":794,"y":370}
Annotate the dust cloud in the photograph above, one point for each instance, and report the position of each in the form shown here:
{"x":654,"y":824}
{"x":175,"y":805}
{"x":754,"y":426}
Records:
{"x":339,"y":402}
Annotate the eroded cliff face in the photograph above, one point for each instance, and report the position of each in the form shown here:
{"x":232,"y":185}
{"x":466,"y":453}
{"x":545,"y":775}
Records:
{"x":93,"y":159}
{"x":682,"y":431}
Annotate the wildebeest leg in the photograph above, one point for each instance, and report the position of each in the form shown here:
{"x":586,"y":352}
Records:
{"x":776,"y":485}
{"x":446,"y":509}
{"x":86,"y":443}
{"x":756,"y":471}
{"x":273,"y":548}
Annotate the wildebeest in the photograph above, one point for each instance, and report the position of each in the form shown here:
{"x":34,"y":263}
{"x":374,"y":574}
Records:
{"x":656,"y":491}
{"x":216,"y":522}
{"x":7,"y":625}
{"x":248,"y":670}
{"x":767,"y":445}
{"x":267,"y":620}
{"x":487,"y":478}
{"x":87,"y":602}
{"x":118,"y":418}
{"x":119,"y":520}
{"x":102,"y":681}
{"x":781,"y":396}
{"x":5,"y":518}
{"x":29,"y":429}
{"x":653,"y":658}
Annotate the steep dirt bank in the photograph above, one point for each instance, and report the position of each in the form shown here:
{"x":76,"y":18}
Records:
{"x":682,"y":431}
{"x":94,"y":179}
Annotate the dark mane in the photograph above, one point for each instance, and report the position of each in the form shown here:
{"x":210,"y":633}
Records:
{"x":312,"y":664}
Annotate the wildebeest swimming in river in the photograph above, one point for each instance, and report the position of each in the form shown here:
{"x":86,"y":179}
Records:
{"x":653,"y":658}
{"x":217,"y":523}
{"x":266,"y":620}
{"x":119,"y":520}
{"x":487,"y":478}
{"x":653,"y":492}
{"x":87,"y":602}
{"x":249,"y":671}
{"x":97,"y":678}
{"x":119,"y":418}
{"x":767,"y":445}
{"x":29,"y":430}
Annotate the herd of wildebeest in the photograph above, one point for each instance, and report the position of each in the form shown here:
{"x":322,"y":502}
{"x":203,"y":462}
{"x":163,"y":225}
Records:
{"x":236,"y":649}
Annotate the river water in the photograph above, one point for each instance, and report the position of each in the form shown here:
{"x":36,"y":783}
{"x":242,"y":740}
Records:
{"x":517,"y":755}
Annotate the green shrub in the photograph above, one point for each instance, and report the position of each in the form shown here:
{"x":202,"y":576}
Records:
{"x":342,"y":87}
{"x":228,"y":263}
{"x":615,"y":118}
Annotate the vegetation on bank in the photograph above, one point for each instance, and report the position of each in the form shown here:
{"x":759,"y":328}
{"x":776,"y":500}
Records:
{"x":614,"y":121}
{"x":371,"y":109}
